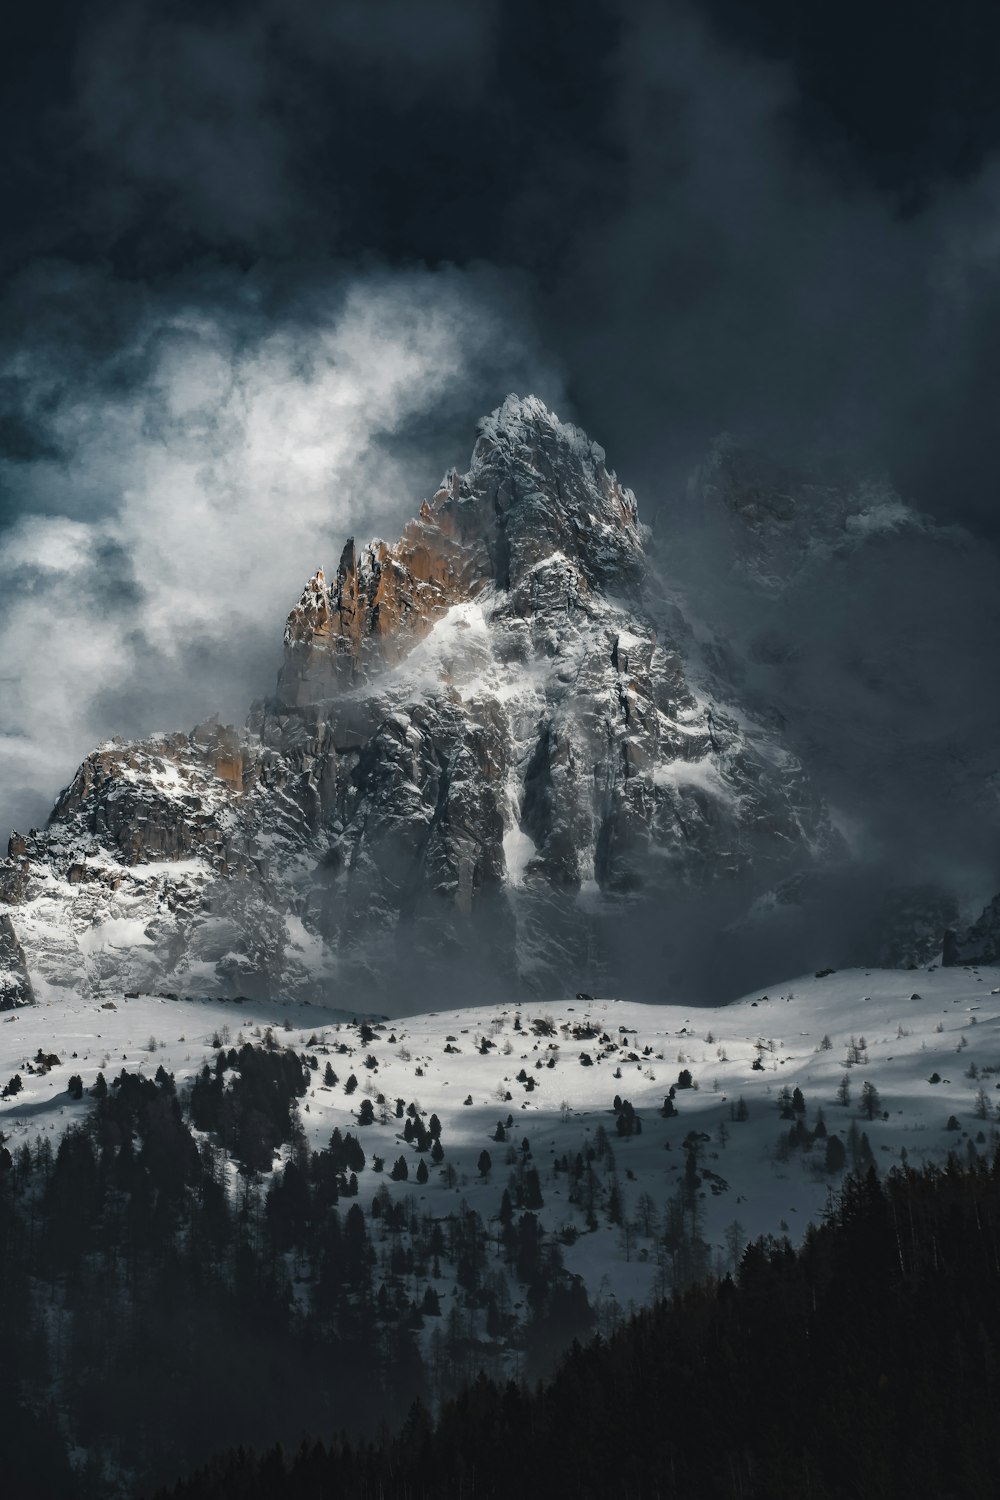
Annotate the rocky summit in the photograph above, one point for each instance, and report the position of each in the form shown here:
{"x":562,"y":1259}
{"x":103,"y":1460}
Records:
{"x":487,"y":751}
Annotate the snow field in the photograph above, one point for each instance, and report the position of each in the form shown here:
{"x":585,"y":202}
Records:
{"x":909,"y":1026}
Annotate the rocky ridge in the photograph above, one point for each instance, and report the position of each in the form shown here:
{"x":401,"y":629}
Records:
{"x":482,"y":754}
{"x":773,"y":521}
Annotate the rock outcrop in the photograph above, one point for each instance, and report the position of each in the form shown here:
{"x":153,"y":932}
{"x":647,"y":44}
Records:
{"x":977,"y":944}
{"x":15,"y":984}
{"x":483,"y":752}
{"x":772,"y":520}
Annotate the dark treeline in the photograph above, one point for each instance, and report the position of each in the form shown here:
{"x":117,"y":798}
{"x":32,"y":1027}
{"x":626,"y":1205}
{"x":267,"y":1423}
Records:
{"x":165,"y":1294}
{"x":867,"y":1363}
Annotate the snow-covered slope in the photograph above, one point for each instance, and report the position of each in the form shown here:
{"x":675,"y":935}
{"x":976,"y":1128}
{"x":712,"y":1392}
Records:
{"x":928,"y":1042}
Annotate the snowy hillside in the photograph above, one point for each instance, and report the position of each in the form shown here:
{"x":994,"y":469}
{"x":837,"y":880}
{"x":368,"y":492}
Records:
{"x":928,"y":1042}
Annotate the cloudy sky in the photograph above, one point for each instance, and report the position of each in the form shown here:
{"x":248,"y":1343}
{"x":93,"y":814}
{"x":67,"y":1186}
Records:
{"x":262,"y":266}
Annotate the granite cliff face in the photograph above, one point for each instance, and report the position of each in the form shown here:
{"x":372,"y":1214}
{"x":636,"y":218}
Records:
{"x":483,"y":752}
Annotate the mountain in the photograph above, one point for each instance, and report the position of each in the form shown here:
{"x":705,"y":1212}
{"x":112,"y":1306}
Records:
{"x":489,"y":747}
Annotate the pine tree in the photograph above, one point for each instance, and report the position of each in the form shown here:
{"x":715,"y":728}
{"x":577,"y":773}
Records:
{"x":494,"y":1321}
{"x":431,"y":1305}
{"x":532,"y":1190}
{"x":836,"y":1156}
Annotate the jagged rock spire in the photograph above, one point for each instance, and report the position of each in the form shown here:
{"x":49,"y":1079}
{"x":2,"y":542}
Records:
{"x":537,"y":489}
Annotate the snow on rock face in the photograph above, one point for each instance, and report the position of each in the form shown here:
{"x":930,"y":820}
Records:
{"x":15,"y":985}
{"x":479,"y":751}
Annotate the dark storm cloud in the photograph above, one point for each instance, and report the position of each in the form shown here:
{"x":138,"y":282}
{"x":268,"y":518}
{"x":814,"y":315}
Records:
{"x":256,"y":128}
{"x":431,"y":130}
{"x":279,"y":128}
{"x":697,"y":266}
{"x":740,"y":287}
{"x":184,"y":109}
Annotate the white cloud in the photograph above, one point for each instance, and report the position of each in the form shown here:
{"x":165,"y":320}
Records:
{"x":213,"y":484}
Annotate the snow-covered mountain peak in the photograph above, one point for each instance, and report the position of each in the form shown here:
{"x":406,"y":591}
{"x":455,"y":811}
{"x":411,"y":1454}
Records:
{"x":552,"y":491}
{"x":537,"y":491}
{"x":481,"y":751}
